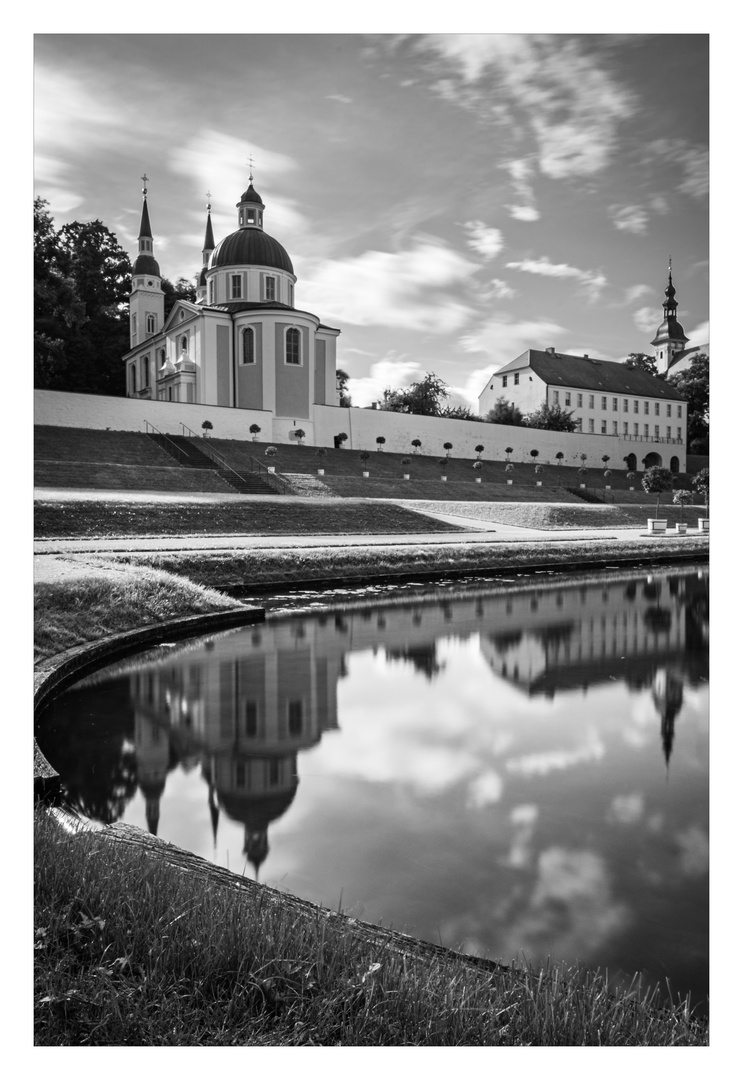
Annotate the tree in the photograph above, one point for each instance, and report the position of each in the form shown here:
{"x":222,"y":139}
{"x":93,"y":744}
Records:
{"x":655,"y":481}
{"x":550,"y":418}
{"x":58,"y":311}
{"x":458,"y":412}
{"x":505,"y":412}
{"x":693,"y":384}
{"x":424,"y":398}
{"x":534,"y":454}
{"x":254,"y":431}
{"x":416,"y":443}
{"x":182,"y":290}
{"x":643,"y":361}
{"x":682,"y":498}
{"x":341,"y":380}
{"x":380,"y":441}
{"x":700,"y":483}
{"x":479,"y":449}
{"x":207,"y":426}
{"x":448,"y":447}
{"x":559,"y":455}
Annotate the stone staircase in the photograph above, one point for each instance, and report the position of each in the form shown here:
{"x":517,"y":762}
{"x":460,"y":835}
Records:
{"x":189,"y":455}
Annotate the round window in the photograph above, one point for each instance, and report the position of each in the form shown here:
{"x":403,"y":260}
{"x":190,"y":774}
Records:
{"x":149,"y":282}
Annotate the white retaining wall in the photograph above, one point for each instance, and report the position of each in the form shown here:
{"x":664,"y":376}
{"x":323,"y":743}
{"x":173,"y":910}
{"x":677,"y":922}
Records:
{"x":362,"y":426}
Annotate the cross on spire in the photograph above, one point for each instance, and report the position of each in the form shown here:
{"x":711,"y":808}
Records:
{"x":250,"y":165}
{"x":144,"y":178}
{"x":209,"y":197}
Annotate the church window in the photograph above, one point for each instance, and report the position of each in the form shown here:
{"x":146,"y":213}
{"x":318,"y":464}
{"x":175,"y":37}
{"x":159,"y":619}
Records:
{"x":251,"y":719}
{"x":211,"y":291}
{"x":170,"y":393}
{"x":270,"y":287}
{"x":567,"y":398}
{"x":236,"y":287}
{"x":273,"y":772}
{"x":133,"y":378}
{"x":591,"y":426}
{"x":291,"y":295}
{"x":614,"y":404}
{"x":240,"y":774}
{"x":134,"y":329}
{"x":151,"y":323}
{"x":184,"y":343}
{"x":505,"y":380}
{"x":251,"y":217}
{"x":293,"y":353}
{"x":248,"y":356}
{"x":516,"y":379}
{"x":161,"y":356}
{"x":146,"y":371}
{"x":603,"y":403}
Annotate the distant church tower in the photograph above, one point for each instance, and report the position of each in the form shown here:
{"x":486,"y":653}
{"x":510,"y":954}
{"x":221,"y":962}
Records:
{"x":670,"y":338}
{"x":147,"y":299}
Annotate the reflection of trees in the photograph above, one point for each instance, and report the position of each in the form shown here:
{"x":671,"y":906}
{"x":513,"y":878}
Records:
{"x":89,"y":742}
{"x":631,"y":591}
{"x":553,"y":636}
{"x":422,"y":657}
{"x":505,"y":640}
{"x":658,"y":620}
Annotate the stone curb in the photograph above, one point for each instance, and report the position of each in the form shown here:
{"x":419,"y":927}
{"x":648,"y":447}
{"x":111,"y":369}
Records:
{"x":56,"y":672}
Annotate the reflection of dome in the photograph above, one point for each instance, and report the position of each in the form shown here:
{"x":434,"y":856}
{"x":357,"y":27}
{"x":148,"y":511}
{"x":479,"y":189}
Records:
{"x":152,"y":788}
{"x":257,"y":812}
{"x":250,"y":247}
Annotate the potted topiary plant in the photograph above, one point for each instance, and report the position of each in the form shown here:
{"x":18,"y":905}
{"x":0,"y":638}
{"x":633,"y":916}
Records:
{"x":207,"y":426}
{"x":605,"y":459}
{"x":448,"y":447}
{"x":255,"y":431}
{"x":682,"y":498}
{"x":321,"y":452}
{"x":365,"y":455}
{"x":631,"y":476}
{"x":299,"y":434}
{"x":509,"y":468}
{"x":559,"y":455}
{"x":509,"y":451}
{"x":477,"y":466}
{"x":700,"y":483}
{"x":479,"y":449}
{"x":380,"y":441}
{"x":538,"y":469}
{"x":655,"y":481}
{"x":443,"y":462}
{"x":271,"y":452}
{"x":416,"y":444}
{"x":406,"y":465}
{"x":534,"y":454}
{"x":338,"y":440}
{"x":607,"y":473}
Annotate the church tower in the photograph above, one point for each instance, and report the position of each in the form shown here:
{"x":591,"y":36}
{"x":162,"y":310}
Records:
{"x":206,"y":251}
{"x":670,"y":338}
{"x":147,"y":299}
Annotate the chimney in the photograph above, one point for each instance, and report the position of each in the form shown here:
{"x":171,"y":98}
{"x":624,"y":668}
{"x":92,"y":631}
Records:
{"x":550,"y":350}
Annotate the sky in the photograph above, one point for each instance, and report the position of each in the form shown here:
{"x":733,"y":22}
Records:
{"x":448,"y":200}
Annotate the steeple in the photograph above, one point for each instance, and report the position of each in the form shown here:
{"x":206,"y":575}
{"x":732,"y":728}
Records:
{"x":670,"y":338}
{"x":206,"y":251}
{"x":147,"y":299}
{"x":145,"y":262}
{"x":250,"y":208}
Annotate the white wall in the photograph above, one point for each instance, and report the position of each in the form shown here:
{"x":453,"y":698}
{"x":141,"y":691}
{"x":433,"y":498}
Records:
{"x":364,"y":425}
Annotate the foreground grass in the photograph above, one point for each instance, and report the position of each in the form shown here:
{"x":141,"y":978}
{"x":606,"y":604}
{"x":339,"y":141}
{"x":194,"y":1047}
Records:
{"x":245,"y":568}
{"x":281,"y":518}
{"x":132,"y":950}
{"x":85,"y":608}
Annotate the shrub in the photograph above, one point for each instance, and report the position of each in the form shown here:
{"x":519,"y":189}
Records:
{"x":364,"y":455}
{"x":321,"y":452}
{"x":700,"y":483}
{"x":341,"y":437}
{"x":537,"y":468}
{"x":405,"y":462}
{"x":509,"y":468}
{"x":477,"y":465}
{"x":631,"y":475}
{"x":443,"y":462}
{"x":271,"y":451}
{"x":607,"y":472}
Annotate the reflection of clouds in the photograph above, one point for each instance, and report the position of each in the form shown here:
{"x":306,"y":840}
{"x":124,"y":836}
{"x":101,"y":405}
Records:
{"x":484,"y":790}
{"x":524,"y":820}
{"x":694,"y":846}
{"x":570,"y":912}
{"x":627,"y":809}
{"x":551,"y":760}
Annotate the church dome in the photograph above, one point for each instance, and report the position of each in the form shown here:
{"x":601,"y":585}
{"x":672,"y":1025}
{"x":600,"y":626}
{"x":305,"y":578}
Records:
{"x":250,"y":247}
{"x":146,"y":264}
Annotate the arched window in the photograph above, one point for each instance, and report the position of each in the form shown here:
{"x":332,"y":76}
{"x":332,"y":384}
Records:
{"x":293,"y":353}
{"x":184,"y":343}
{"x":151,"y":324}
{"x":248,"y":352}
{"x":133,"y":378}
{"x":674,"y":464}
{"x":146,"y":371}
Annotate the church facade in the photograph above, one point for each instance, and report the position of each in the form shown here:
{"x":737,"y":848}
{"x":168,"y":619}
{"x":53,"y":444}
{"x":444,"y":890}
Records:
{"x":243,"y":344}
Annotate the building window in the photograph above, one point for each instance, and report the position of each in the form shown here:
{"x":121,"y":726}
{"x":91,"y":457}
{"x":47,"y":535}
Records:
{"x":625,"y":405}
{"x":678,"y":433}
{"x":678,"y":412}
{"x":603,"y":403}
{"x":273,"y":772}
{"x":567,"y":398}
{"x":556,"y":396}
{"x":646,"y":407}
{"x":646,"y":429}
{"x":236,"y":287}
{"x":625,"y":429}
{"x":211,"y":291}
{"x":635,"y":406}
{"x":134,"y":329}
{"x":614,"y":404}
{"x":668,"y":410}
{"x":293,"y":354}
{"x":251,"y":217}
{"x":184,"y":343}
{"x":295,"y":717}
{"x":270,"y":287}
{"x":603,"y":427}
{"x":615,"y":427}
{"x":637,"y":429}
{"x":504,"y":380}
{"x":591,"y":401}
{"x":170,"y":393}
{"x":579,"y":424}
{"x":248,"y":354}
{"x":151,"y":324}
{"x":291,"y":295}
{"x":668,"y":432}
{"x":516,"y":379}
{"x":580,"y":401}
{"x":240,"y":776}
{"x":591,"y":426}
{"x":657,"y":432}
{"x":251,"y":719}
{"x":657,"y":408}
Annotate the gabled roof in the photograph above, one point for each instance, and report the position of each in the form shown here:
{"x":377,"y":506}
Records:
{"x":586,"y":373}
{"x":682,"y":360}
{"x":189,"y":308}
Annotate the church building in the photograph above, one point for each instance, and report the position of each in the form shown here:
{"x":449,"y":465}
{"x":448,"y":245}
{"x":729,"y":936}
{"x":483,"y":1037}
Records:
{"x":243,"y":344}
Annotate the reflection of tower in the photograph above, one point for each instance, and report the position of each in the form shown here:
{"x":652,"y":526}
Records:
{"x":668,"y":697}
{"x":153,"y":752}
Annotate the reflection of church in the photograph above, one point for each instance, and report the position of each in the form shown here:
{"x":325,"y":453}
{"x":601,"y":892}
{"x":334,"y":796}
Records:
{"x":245,"y":704}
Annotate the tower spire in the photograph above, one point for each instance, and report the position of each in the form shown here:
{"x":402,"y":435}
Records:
{"x":670,"y":338}
{"x":146,"y":300}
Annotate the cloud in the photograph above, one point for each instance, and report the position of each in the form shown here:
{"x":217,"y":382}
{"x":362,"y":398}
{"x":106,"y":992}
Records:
{"x":633,"y":293}
{"x":408,"y":289}
{"x":341,"y":98}
{"x":556,"y":760}
{"x":570,"y":101}
{"x":393,"y":371}
{"x":501,"y":290}
{"x":699,"y":335}
{"x":627,"y":809}
{"x":484,"y":239}
{"x":524,"y":213}
{"x":647,"y":319}
{"x":592,"y":282}
{"x":632,"y":219}
{"x":502,"y":340}
{"x":694,"y":845}
{"x":693,"y":162}
{"x":484,"y":790}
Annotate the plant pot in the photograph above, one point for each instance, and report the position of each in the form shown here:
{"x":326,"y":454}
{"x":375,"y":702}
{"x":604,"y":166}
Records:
{"x":608,"y":487}
{"x":581,"y":485}
{"x":271,"y":468}
{"x":539,"y":483}
{"x":406,"y":476}
{"x":366,"y":474}
{"x":509,"y":481}
{"x":631,"y":488}
{"x":478,"y":479}
{"x":703,"y":524}
{"x":443,"y":478}
{"x":321,"y":472}
{"x":657,"y":526}
{"x":681,"y":528}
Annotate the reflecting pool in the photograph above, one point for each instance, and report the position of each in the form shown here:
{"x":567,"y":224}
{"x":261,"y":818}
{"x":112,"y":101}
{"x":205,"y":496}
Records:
{"x":512,"y":770}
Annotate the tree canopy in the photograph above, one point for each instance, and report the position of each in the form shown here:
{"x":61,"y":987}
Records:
{"x":424,"y":398}
{"x":693,"y":383}
{"x":550,"y":418}
{"x":182,"y":290}
{"x":342,"y":380}
{"x":505,"y":412}
{"x":82,"y":280}
{"x":642,"y":360}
